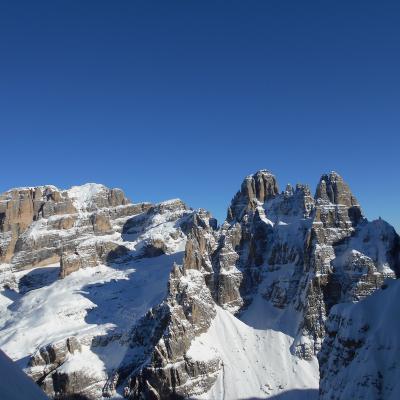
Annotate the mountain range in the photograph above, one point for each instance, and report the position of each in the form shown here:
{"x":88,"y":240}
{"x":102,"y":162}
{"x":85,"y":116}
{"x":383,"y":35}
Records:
{"x":293,"y":296}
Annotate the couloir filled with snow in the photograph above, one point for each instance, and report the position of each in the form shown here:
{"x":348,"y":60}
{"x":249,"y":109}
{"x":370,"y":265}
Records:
{"x":256,"y":363}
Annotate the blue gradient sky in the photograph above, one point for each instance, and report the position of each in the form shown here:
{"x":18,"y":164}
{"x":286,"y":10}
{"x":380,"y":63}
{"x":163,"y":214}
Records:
{"x":184,"y":98}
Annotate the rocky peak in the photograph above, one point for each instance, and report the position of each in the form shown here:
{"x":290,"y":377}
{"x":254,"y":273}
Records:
{"x":332,"y":188}
{"x":256,"y":188}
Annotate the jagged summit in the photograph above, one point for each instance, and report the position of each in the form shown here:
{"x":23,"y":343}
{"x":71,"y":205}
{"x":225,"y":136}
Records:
{"x":256,"y":188}
{"x":333,"y":188}
{"x":262,"y":186}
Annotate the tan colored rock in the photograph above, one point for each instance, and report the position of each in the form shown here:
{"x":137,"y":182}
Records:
{"x":20,"y":207}
{"x":36,"y":224}
{"x":255,"y":189}
{"x":63,"y":223}
{"x":69,"y":263}
{"x":101,"y":224}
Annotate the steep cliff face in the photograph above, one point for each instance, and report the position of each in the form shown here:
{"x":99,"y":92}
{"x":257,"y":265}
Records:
{"x":39,"y":225}
{"x":174,"y":306}
{"x":19,"y":208}
{"x":300,"y":253}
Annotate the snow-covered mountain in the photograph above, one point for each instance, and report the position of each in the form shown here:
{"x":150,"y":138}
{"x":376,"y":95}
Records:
{"x":103,"y":298}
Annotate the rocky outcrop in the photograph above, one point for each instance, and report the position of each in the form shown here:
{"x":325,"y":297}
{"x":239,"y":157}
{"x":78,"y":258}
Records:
{"x":89,"y":254}
{"x":19,"y":208}
{"x":168,"y":372}
{"x":48,"y":358}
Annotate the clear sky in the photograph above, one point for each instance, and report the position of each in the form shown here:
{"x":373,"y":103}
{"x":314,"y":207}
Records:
{"x":184,"y":98}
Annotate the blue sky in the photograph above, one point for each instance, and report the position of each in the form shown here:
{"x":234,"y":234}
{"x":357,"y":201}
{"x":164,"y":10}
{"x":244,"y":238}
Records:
{"x":185,"y":98}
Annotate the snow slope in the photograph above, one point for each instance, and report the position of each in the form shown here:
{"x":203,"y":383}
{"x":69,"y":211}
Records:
{"x":256,"y":363}
{"x":362,"y":358}
{"x":82,"y":195}
{"x":71,"y":306}
{"x":14,"y":384}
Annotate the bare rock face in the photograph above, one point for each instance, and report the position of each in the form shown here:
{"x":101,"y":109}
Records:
{"x":255,"y":189}
{"x":49,"y":357}
{"x":101,"y":224}
{"x":38,"y":226}
{"x":333,"y":189}
{"x":19,"y":208}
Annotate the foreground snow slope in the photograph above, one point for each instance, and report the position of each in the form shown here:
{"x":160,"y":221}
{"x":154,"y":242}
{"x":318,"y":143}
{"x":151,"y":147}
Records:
{"x":14,"y":384}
